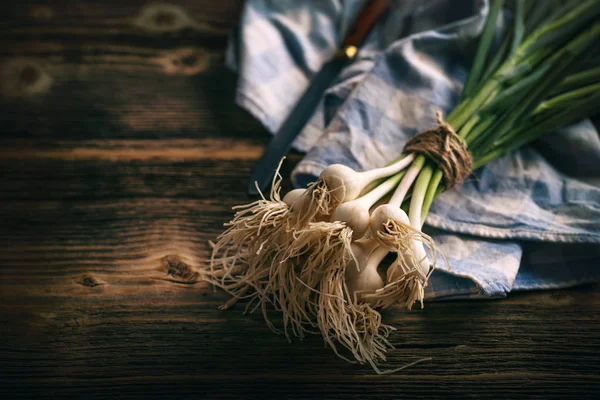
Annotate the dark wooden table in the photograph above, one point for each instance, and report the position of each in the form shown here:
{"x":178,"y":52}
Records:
{"x":121,"y":154}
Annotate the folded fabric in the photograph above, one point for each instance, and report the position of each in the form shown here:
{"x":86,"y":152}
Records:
{"x":530,"y":220}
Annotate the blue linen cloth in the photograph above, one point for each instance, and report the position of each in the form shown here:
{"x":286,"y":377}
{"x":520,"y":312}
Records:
{"x":530,"y":220}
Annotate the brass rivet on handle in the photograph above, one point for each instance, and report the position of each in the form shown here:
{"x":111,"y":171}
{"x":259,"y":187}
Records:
{"x":348,"y":51}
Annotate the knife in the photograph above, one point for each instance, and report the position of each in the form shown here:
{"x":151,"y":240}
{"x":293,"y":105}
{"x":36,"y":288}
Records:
{"x":303,"y":110}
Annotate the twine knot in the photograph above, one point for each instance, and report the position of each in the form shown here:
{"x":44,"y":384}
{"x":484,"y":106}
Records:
{"x":446,"y":149}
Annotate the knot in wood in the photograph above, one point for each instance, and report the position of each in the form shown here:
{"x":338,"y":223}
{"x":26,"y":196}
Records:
{"x":42,"y":13}
{"x":185,"y":61}
{"x":29,"y":75}
{"x":176,"y":268}
{"x":188,"y":60}
{"x":446,"y":149}
{"x":163,"y":18}
{"x":89,"y":281}
{"x":24,"y":77}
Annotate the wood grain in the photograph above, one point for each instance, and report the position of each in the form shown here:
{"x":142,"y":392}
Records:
{"x":121,"y":154}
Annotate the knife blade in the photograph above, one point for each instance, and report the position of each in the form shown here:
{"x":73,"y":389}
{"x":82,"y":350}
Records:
{"x":305,"y":107}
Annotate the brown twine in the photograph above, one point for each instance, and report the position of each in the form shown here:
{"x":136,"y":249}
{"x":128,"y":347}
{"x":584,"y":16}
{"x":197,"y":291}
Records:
{"x":446,"y":149}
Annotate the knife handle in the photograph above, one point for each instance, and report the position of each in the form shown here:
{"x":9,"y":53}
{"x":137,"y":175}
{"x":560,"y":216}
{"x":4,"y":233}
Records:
{"x":364,"y":22}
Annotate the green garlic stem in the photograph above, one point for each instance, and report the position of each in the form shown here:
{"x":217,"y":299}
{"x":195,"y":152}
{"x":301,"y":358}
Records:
{"x":565,"y":99}
{"x":518,"y":26}
{"x":578,"y":80}
{"x":483,"y":47}
{"x":396,"y":166}
{"x":525,"y":133}
{"x":407,"y":181}
{"x":433,"y":190}
{"x":377,"y":193}
{"x":418,"y":196}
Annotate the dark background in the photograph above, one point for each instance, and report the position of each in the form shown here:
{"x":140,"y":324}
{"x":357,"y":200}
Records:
{"x":121,"y":154}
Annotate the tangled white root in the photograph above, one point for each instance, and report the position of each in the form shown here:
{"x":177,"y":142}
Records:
{"x":326,"y":249}
{"x":356,"y":327}
{"x":241,"y":256}
{"x":406,"y":280}
{"x":406,"y":286}
{"x":300,"y":269}
{"x":321,"y":203}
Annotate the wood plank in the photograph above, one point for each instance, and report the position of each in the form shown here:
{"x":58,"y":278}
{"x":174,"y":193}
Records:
{"x":214,"y":178}
{"x":158,"y":16}
{"x":120,"y":150}
{"x":121,"y":155}
{"x":138,"y":338}
{"x":107,"y":70}
{"x":105,"y":102}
